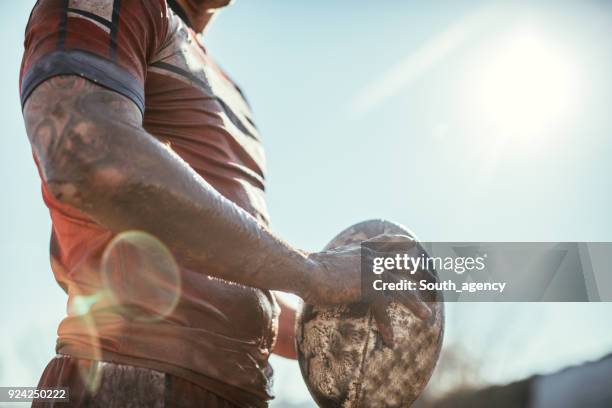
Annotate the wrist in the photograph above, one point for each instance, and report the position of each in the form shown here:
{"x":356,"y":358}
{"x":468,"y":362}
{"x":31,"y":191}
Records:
{"x":303,"y":284}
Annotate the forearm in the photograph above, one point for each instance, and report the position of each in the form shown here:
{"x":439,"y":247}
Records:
{"x":124,"y":179}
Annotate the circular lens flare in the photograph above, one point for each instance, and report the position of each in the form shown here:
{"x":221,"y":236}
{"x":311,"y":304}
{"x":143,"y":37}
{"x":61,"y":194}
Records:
{"x":141,"y":276}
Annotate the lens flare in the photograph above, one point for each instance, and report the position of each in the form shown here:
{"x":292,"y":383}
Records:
{"x":81,"y":307}
{"x":141,"y":276}
{"x":90,"y":370}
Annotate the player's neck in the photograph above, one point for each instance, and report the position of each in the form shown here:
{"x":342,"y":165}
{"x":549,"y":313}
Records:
{"x":199,"y":19}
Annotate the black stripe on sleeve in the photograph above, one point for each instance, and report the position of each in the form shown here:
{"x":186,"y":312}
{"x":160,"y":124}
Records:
{"x":92,"y":16}
{"x":114,"y":29}
{"x":186,"y":74}
{"x":61,"y":41}
{"x":99,"y":70}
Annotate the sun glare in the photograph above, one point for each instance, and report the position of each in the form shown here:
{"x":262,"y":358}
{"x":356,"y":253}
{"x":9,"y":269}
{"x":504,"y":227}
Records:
{"x":525,"y":87}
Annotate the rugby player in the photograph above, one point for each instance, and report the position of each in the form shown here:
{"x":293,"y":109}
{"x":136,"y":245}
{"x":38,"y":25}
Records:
{"x":133,"y":126}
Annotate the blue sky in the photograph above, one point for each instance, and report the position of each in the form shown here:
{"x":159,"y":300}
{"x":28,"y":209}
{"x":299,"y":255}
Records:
{"x":467,"y":121}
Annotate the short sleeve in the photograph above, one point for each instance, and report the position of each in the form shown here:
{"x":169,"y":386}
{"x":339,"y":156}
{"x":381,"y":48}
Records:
{"x":108,"y":42}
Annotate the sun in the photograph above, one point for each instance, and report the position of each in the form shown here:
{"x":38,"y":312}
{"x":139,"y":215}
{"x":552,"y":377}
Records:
{"x":524,"y":87}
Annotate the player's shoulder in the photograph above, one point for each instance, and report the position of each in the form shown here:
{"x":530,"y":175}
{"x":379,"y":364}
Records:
{"x":104,"y":12}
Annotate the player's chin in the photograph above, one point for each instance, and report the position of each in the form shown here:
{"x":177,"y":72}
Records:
{"x":215,"y":4}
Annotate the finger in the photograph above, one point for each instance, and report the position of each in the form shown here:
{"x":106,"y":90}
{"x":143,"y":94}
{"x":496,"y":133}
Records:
{"x":425,"y":271}
{"x":383,"y":322}
{"x":412,"y":300}
{"x":416,"y":305}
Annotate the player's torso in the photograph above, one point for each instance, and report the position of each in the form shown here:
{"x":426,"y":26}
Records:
{"x":202,"y":116}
